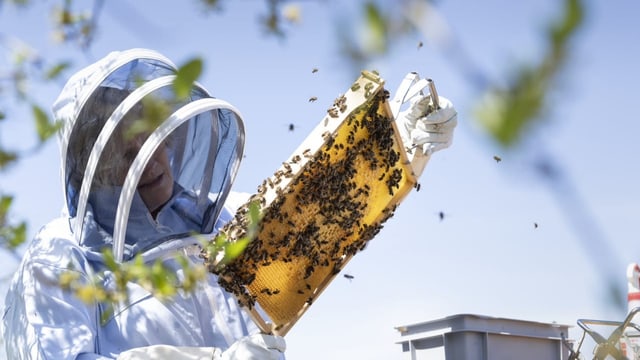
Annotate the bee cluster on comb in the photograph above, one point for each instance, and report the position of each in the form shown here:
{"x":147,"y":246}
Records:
{"x":320,"y":208}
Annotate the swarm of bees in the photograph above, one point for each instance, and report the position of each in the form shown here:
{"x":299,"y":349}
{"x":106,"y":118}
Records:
{"x":320,"y":208}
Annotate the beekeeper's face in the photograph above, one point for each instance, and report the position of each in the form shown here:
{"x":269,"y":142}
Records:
{"x":156,"y":183}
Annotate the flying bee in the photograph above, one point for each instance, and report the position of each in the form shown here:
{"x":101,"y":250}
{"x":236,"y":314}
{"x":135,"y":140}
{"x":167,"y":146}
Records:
{"x":314,"y":70}
{"x":348,"y":276}
{"x":313,"y":98}
{"x":420,"y":44}
{"x":292,"y":127}
{"x":497,"y":158}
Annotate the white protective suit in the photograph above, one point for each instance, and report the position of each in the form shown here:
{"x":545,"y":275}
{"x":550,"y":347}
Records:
{"x":204,"y":140}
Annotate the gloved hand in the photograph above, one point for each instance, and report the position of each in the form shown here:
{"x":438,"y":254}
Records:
{"x":254,"y":347}
{"x":429,"y":132}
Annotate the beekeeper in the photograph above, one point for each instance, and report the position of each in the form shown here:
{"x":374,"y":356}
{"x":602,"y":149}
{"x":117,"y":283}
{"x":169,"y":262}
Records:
{"x":147,"y":190}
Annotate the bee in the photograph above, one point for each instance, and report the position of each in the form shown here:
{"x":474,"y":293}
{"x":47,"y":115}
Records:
{"x":497,"y":158}
{"x":367,"y":89}
{"x":417,"y":186}
{"x":313,"y":98}
{"x":333,"y":112}
{"x":420,"y":44}
{"x":266,"y":291}
{"x":307,"y":153}
{"x":314,"y":70}
{"x":441,"y":215}
{"x":348,"y":276}
{"x":292,"y":127}
{"x":535,"y":225}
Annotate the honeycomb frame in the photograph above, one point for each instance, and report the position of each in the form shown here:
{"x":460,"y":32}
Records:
{"x":319,"y":209}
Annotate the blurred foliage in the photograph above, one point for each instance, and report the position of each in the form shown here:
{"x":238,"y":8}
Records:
{"x":157,"y":278}
{"x":373,"y":33}
{"x":10,"y":235}
{"x":185,"y":77}
{"x":224,"y":250}
{"x":25,"y":67}
{"x":71,"y":25}
{"x":157,"y":110}
{"x":508,"y":112}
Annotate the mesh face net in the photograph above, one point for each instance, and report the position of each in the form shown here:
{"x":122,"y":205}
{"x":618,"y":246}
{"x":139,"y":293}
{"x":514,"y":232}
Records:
{"x":125,"y":111}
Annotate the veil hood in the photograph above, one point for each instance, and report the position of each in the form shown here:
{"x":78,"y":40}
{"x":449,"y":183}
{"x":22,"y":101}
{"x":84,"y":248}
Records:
{"x":100,"y":108}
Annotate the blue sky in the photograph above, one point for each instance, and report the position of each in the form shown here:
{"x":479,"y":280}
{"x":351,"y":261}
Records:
{"x":486,"y":257}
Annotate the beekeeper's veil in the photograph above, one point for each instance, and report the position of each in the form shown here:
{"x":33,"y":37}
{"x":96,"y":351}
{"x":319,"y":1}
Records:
{"x":127,"y":95}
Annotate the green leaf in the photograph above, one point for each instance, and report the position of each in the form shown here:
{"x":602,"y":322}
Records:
{"x":235,"y":249}
{"x":137,"y":268}
{"x":107,"y":312}
{"x":19,"y":235}
{"x":44,"y":127}
{"x":109,"y":260}
{"x":377,"y":27}
{"x":507,"y":113}
{"x":254,"y":219}
{"x":573,"y":17}
{"x":7,"y":157}
{"x":155,"y":111}
{"x":185,"y":77}
{"x":5,"y":204}
{"x":56,"y":70}
{"x":161,"y":279}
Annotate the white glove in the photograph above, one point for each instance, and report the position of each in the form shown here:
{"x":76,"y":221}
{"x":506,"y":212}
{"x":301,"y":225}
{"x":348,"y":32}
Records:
{"x":155,"y":352}
{"x":432,"y":132}
{"x":254,"y":347}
